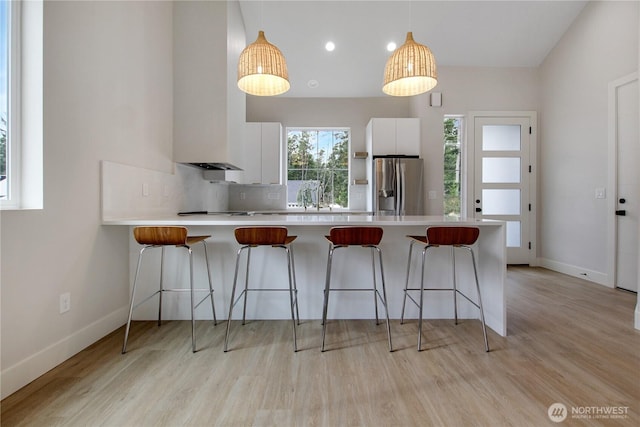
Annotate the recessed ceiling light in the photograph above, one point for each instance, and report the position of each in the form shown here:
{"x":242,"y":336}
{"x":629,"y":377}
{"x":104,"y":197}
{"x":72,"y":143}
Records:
{"x":330,"y":46}
{"x":391,"y":46}
{"x":313,"y":84}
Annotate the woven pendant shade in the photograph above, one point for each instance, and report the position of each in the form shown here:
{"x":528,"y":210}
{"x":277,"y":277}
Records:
{"x":262,"y":70}
{"x":410,"y":70}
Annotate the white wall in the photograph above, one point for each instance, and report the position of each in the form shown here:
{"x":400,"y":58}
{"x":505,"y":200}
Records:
{"x":326,"y":112}
{"x":600,"y":46}
{"x":637,"y":311}
{"x":354,"y":113}
{"x":463,"y":90}
{"x":107,"y":96}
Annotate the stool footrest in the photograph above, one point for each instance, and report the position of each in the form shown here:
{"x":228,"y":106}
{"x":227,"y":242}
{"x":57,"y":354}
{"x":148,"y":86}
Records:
{"x":440,"y":289}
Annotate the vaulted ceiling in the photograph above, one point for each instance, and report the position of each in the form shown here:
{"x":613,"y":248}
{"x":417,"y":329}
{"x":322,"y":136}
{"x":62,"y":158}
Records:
{"x":459,"y":33}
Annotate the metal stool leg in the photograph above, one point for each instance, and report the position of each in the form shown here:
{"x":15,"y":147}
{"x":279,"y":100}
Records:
{"x":375,"y":285}
{"x":295,"y":287}
{"x":291,"y":297}
{"x":406,"y":283}
{"x":327,"y":287}
{"x":161,"y":287}
{"x":206,"y":260}
{"x":133,"y":294}
{"x":384,"y":297}
{"x":246,"y":286}
{"x":193,"y":317}
{"x":232,"y":302}
{"x":424,"y":254}
{"x":455,"y":287}
{"x":484,"y":327}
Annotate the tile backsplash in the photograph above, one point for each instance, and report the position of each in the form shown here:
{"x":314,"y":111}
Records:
{"x":129,"y":191}
{"x":257,"y":197}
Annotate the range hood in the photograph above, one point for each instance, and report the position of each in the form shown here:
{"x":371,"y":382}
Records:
{"x":218,"y":166}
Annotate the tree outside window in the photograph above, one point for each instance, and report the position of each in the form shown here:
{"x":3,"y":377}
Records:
{"x":452,"y":166}
{"x":318,"y":167}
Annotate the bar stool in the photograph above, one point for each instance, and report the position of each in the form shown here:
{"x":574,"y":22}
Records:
{"x":161,"y":237}
{"x":252,"y":237}
{"x":454,"y":237}
{"x":367,"y":237}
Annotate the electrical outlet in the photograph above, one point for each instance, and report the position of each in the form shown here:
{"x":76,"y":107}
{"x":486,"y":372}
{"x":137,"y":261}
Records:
{"x":243,"y":196}
{"x":601,"y":193}
{"x":65,"y":302}
{"x":145,"y":190}
{"x":432,"y":195}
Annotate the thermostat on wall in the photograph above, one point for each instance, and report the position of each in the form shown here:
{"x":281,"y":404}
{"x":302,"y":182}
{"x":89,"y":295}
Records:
{"x":436,"y":99}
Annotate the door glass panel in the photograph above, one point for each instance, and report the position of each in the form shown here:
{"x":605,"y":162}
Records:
{"x":501,"y":170}
{"x":501,"y":202}
{"x":514,"y":239}
{"x":501,"y":137}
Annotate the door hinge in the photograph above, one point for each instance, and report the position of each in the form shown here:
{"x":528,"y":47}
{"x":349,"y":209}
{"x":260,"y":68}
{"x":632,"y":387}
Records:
{"x":529,"y":130}
{"x":529,"y":245}
{"x":529,"y":168}
{"x":529,"y":207}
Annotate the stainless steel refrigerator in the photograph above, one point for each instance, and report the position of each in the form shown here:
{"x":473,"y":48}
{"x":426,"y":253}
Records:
{"x":397,"y":185}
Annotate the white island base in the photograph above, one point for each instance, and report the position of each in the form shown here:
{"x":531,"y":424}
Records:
{"x":350,"y":269}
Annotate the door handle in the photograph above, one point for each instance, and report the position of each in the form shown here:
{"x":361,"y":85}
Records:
{"x":621,"y":212}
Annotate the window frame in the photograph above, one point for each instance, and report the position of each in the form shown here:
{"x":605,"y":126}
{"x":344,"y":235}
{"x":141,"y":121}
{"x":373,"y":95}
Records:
{"x":463,"y":163}
{"x":26,"y":124}
{"x":14,"y":9}
{"x":289,"y":129}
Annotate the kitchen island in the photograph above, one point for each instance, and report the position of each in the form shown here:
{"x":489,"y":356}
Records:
{"x":310,"y":250}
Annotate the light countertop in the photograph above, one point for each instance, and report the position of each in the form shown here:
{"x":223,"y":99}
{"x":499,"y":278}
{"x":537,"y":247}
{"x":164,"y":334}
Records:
{"x":306,"y":219}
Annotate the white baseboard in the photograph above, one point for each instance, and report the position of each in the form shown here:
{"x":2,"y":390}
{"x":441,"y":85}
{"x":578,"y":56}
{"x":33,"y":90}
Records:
{"x":22,"y":373}
{"x":572,"y":270}
{"x":636,"y":323}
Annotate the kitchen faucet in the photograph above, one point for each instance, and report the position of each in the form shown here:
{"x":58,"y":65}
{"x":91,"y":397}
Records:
{"x":318,"y":193}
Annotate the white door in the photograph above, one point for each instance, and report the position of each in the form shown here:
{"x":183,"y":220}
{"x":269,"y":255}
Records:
{"x":502,"y":181}
{"x":627,"y":187}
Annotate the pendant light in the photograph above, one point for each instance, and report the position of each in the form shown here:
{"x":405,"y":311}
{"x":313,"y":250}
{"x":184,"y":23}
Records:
{"x":410,"y":70}
{"x":262,"y":69}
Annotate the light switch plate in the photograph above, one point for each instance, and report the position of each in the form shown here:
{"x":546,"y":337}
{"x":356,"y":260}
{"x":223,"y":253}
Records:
{"x":65,"y":302}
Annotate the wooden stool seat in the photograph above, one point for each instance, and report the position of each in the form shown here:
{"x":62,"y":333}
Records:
{"x":453,"y":237}
{"x":366,"y":237}
{"x":356,"y":236}
{"x":161,"y":237}
{"x":263,"y":236}
{"x":253,"y":237}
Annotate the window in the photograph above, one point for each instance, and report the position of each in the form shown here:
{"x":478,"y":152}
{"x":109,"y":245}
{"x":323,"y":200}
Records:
{"x":318,"y":167}
{"x":5,"y":28}
{"x":452,"y":193}
{"x":21,"y":104}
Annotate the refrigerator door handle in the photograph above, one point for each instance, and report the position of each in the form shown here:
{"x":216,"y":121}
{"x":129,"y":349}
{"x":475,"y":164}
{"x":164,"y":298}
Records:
{"x":401,"y":188}
{"x":396,"y":169}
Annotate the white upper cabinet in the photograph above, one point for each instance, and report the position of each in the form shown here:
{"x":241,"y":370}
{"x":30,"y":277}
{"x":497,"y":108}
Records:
{"x":389,"y":136}
{"x":262,"y":153}
{"x":209,"y":109}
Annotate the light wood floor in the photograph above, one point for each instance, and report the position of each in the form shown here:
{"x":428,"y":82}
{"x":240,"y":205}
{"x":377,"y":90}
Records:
{"x":570,"y":341}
